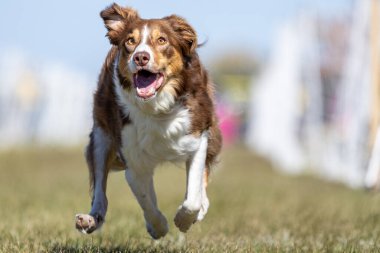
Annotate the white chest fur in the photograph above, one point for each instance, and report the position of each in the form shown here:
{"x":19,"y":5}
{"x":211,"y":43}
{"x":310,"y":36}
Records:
{"x":159,"y":131}
{"x":150,"y":140}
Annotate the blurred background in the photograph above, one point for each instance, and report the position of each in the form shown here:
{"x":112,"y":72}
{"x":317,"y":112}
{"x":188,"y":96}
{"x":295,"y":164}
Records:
{"x":298,"y":80}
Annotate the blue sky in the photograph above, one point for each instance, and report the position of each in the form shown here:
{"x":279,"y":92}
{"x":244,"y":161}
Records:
{"x":72,"y":33}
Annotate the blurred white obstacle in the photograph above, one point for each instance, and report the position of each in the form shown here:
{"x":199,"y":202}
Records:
{"x":42,"y":103}
{"x":372,"y":176}
{"x":285,"y":115}
{"x":288,"y":121}
{"x":353,"y":114}
{"x":273,"y":129}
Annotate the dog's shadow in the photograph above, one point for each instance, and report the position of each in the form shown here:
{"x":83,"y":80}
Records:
{"x":73,"y":248}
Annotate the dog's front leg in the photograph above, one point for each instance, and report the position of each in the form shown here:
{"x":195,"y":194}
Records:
{"x":143,"y":188}
{"x":195,"y":198}
{"x":97,"y":156}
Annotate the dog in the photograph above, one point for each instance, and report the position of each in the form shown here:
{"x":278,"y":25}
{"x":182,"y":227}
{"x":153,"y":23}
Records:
{"x":154,"y":103}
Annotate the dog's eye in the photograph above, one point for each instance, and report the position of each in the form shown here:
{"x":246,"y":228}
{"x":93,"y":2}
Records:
{"x":131,"y":41}
{"x":161,"y":41}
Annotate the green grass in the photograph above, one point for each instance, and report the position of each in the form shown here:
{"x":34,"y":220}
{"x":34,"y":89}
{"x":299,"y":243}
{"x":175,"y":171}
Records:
{"x":253,"y":209}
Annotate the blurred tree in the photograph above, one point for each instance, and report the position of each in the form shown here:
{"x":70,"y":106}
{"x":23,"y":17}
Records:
{"x":233,"y":72}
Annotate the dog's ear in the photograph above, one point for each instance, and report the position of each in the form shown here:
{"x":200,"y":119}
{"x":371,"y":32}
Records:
{"x":116,"y":18}
{"x":186,"y":35}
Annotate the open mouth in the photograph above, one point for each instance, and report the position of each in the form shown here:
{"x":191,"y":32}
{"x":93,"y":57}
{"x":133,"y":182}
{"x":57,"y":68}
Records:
{"x":147,"y":83}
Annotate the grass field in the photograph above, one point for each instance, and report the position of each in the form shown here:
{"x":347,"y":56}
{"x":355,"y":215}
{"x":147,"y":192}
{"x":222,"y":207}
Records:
{"x":253,"y":209}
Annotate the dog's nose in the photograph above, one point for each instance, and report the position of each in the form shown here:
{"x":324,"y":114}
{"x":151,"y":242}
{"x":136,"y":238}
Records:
{"x":141,"y":58}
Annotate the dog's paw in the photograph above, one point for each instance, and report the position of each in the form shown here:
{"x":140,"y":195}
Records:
{"x":86,"y":223}
{"x":204,"y":208}
{"x":158,"y":227}
{"x":185,"y":218}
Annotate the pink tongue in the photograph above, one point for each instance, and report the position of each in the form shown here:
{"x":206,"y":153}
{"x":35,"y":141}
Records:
{"x":145,"y":80}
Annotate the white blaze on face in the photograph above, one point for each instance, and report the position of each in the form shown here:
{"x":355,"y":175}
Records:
{"x":142,"y":47}
{"x":145,"y":35}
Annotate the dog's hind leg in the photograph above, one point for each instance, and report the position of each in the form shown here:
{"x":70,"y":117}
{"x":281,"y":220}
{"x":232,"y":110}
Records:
{"x":98,"y":154}
{"x":143,"y":188}
{"x":190,"y":210}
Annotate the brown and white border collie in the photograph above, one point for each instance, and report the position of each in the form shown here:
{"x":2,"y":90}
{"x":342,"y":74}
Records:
{"x":154,"y":103}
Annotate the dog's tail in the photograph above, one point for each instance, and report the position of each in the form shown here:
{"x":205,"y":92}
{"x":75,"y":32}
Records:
{"x":203,"y":43}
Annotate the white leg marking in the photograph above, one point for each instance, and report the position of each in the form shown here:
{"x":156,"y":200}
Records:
{"x":142,"y":187}
{"x":87,"y":223}
{"x":188,"y":212}
{"x":205,"y":202}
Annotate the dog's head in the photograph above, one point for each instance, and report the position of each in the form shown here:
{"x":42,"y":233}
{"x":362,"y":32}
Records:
{"x":152,"y":52}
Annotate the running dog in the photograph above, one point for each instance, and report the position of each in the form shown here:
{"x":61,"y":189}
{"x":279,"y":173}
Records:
{"x":154,"y":103}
